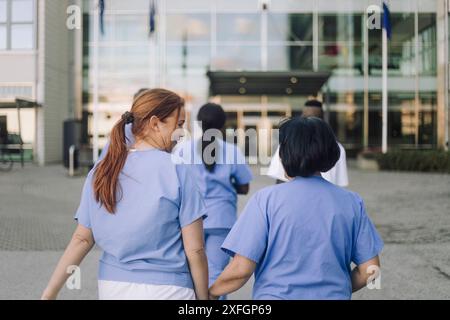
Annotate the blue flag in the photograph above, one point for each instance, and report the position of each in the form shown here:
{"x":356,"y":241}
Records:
{"x":101,"y":5}
{"x":152,"y":22}
{"x":387,"y":20}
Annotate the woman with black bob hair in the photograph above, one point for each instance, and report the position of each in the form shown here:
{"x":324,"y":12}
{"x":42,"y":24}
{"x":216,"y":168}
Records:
{"x":307,"y":147}
{"x":300,"y":238}
{"x":221,"y":174}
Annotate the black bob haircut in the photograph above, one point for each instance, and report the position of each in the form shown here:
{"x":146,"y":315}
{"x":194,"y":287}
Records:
{"x":307,"y":146}
{"x":212,"y":116}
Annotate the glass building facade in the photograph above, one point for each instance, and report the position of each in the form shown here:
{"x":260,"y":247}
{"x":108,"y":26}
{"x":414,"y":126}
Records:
{"x":196,"y":36}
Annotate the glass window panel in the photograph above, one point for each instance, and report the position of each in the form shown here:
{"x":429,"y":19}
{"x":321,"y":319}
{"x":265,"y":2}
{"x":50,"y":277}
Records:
{"x":402,"y":27}
{"x":340,"y":56}
{"x":22,"y":36}
{"x":290,"y":27}
{"x":427,"y":28}
{"x":300,"y":57}
{"x":133,"y":59}
{"x":241,"y":57}
{"x":130,"y":27}
{"x":3,"y":8}
{"x":22,"y":11}
{"x":190,"y":58}
{"x":427,"y":118}
{"x":238,"y":27}
{"x":340,"y":27}
{"x":108,"y":27}
{"x":115,"y":5}
{"x":401,"y":60}
{"x":184,"y":6}
{"x":285,"y":58}
{"x":237,"y":5}
{"x":401,"y":124}
{"x":427,"y":60}
{"x":192,"y":27}
{"x":2,"y":37}
{"x":278,"y":58}
{"x":292,"y":6}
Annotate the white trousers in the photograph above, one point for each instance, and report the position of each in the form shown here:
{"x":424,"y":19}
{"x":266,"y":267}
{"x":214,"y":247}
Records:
{"x":114,"y":290}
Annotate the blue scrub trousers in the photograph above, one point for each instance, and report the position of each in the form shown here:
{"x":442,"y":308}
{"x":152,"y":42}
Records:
{"x":217,"y":259}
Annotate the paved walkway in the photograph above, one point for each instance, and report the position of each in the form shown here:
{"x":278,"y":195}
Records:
{"x":411,"y":211}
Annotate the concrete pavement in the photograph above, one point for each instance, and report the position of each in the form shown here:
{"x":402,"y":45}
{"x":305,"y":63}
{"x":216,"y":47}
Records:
{"x":411,"y":211}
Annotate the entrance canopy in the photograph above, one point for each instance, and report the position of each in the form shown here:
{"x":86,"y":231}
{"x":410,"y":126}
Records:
{"x":266,"y":82}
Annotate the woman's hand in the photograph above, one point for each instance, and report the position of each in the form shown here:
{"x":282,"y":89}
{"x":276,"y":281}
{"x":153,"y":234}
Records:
{"x":48,"y":296}
{"x":213,"y":297}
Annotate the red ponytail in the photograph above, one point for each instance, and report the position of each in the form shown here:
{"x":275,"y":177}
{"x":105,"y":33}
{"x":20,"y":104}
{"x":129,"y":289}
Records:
{"x":156,"y":102}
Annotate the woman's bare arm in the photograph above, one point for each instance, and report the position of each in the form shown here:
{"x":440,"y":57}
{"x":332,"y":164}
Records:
{"x":361,"y":273}
{"x":81,"y":243}
{"x":235,"y":275}
{"x":194,"y":247}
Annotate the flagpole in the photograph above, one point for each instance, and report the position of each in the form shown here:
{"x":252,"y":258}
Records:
{"x":384,"y":140}
{"x":95,"y":83}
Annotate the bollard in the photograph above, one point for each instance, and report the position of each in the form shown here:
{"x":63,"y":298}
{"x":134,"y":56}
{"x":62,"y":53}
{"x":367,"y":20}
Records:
{"x":72,"y":160}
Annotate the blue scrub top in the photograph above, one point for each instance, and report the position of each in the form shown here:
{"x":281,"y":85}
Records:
{"x":303,"y":236}
{"x":217,"y":186}
{"x":142,"y":240}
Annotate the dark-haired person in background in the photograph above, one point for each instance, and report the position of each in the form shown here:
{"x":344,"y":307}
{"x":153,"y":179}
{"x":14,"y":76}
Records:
{"x":221,"y":175}
{"x":300,"y":237}
{"x":337,"y":175}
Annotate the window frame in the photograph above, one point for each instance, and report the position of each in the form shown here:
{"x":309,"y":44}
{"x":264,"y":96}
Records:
{"x":8,"y":24}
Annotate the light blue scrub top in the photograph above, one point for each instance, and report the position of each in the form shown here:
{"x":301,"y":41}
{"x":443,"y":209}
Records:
{"x":217,"y":186}
{"x":303,"y":236}
{"x":142,"y":240}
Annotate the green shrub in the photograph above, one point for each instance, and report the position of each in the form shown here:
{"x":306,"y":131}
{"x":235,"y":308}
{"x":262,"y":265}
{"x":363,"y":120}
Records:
{"x":415,"y":160}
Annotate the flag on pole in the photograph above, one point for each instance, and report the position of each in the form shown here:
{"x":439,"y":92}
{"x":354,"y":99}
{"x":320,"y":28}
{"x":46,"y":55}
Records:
{"x":387,"y":20}
{"x":101,"y":5}
{"x":386,"y":35}
{"x":152,"y":18}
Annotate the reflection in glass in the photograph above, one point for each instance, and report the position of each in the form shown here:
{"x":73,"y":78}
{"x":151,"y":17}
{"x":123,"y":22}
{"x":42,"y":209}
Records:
{"x":427,"y":118}
{"x":278,"y":58}
{"x":188,"y":57}
{"x":129,"y":27}
{"x":300,"y":57}
{"x":402,"y":27}
{"x":232,"y":57}
{"x":341,"y":57}
{"x":238,"y":27}
{"x":340,"y":27}
{"x":192,"y":27}
{"x":346,"y":117}
{"x":125,"y":59}
{"x":290,"y":27}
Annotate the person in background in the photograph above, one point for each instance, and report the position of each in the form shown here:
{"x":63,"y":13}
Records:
{"x":337,"y":175}
{"x":221,"y":175}
{"x":300,"y":238}
{"x":144,"y":211}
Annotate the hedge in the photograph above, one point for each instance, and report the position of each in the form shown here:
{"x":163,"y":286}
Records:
{"x":415,"y":160}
